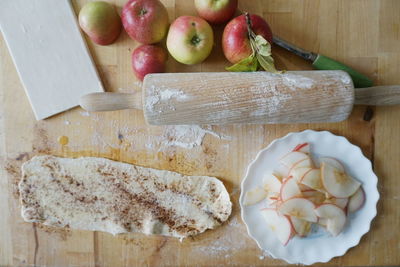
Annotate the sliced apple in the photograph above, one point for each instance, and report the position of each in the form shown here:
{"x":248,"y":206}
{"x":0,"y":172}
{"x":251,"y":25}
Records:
{"x":301,"y":227}
{"x":272,"y":184}
{"x":323,"y":222}
{"x":273,"y":200}
{"x":356,"y":200}
{"x":290,"y":189}
{"x":338,"y":183}
{"x":302,"y":163}
{"x":333,"y":162}
{"x":312,"y":179}
{"x":340,"y":202}
{"x":305,"y":148}
{"x":316,"y":197}
{"x":279,"y":224}
{"x":273,"y":204}
{"x":254,"y":196}
{"x":301,"y":208}
{"x":336,"y":218}
{"x":278,"y":175}
{"x":299,"y":172}
{"x":292,"y":158}
{"x":303,"y":187}
{"x":305,"y":163}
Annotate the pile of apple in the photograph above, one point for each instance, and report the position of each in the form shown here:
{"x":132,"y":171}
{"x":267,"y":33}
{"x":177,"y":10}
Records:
{"x":307,"y":195}
{"x":189,"y":39}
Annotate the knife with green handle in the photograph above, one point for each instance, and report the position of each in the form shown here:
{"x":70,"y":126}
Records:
{"x":321,"y":62}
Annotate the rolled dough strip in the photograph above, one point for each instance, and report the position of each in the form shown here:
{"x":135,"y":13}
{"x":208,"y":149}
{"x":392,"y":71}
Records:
{"x":103,"y":195}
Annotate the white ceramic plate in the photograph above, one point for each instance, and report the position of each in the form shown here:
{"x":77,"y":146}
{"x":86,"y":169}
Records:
{"x":319,"y":246}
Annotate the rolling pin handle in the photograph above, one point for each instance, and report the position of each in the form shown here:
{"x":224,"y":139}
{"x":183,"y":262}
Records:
{"x":111,"y":101}
{"x":386,"y":95}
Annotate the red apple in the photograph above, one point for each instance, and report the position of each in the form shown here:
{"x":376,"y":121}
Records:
{"x":148,"y":59}
{"x":235,"y":40}
{"x":190,"y":40}
{"x":145,"y":21}
{"x":216,"y":11}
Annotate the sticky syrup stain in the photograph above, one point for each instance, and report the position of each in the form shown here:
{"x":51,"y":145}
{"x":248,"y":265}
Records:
{"x":63,"y":140}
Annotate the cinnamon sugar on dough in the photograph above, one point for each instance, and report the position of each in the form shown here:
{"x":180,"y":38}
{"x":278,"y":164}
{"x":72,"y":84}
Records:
{"x":103,"y":195}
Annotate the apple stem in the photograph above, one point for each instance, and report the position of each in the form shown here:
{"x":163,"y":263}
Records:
{"x":249,"y":25}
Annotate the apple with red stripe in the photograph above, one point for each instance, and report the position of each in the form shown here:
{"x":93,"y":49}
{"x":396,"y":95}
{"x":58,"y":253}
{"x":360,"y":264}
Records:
{"x":216,"y":11}
{"x":235,"y":39}
{"x":145,"y":21}
{"x":148,"y":59}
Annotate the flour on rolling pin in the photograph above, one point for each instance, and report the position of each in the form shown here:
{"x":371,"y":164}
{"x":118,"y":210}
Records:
{"x":50,"y":55}
{"x":260,"y":97}
{"x":163,"y":94}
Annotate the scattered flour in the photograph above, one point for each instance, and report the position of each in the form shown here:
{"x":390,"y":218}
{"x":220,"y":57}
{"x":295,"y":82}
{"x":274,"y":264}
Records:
{"x":159,"y":94}
{"x":84,"y":113}
{"x":187,"y":136}
{"x":228,"y":243}
{"x":295,"y":81}
{"x":183,"y":136}
{"x":168,"y":94}
{"x":156,"y":138}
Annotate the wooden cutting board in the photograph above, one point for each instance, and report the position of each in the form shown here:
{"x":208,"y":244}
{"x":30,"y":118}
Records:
{"x":367,"y":41}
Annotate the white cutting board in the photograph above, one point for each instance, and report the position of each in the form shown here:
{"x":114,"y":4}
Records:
{"x":50,"y":55}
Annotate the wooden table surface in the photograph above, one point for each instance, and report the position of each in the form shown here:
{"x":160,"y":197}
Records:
{"x":362,"y":33}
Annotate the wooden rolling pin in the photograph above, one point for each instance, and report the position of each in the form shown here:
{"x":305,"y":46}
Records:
{"x":246,"y":97}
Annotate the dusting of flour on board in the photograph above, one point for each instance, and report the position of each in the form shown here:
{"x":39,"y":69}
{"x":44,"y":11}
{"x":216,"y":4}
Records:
{"x":157,"y":137}
{"x":228,"y":243}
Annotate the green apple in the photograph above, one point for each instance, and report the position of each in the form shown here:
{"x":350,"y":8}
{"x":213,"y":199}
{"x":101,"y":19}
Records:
{"x":190,"y":40}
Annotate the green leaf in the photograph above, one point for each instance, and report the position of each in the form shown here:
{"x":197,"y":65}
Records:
{"x":263,"y":47}
{"x":267,"y":63}
{"x":247,"y":64}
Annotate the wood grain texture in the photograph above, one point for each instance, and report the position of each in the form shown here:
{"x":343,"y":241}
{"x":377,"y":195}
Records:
{"x":361,"y":33}
{"x":385,"y":95}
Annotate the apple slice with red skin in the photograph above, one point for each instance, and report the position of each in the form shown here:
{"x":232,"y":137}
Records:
{"x":305,"y":163}
{"x":279,"y":224}
{"x":336,"y":217}
{"x":273,"y":200}
{"x":299,"y":172}
{"x":301,"y":227}
{"x":340,"y":202}
{"x":290,"y":189}
{"x":303,"y":187}
{"x":292,"y":158}
{"x":333,"y":162}
{"x":356,"y":200}
{"x":305,"y":148}
{"x":273,"y":203}
{"x":254,"y":196}
{"x":315,"y":196}
{"x":312,"y":179}
{"x":337,"y":183}
{"x":272,"y":184}
{"x":299,"y":207}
